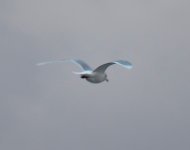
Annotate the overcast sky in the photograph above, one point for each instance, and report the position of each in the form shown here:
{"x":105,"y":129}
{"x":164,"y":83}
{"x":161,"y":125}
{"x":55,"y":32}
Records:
{"x":46,"y":108}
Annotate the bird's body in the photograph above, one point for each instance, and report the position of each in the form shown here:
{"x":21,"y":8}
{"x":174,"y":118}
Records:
{"x":97,"y":75}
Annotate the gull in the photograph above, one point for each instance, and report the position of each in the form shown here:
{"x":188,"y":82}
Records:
{"x":97,"y":75}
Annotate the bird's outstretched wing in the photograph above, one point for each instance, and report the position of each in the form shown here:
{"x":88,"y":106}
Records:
{"x":50,"y":62}
{"x":80,"y":63}
{"x":84,"y":66}
{"x":122,"y":63}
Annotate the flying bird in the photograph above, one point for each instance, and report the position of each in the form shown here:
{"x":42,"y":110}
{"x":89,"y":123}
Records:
{"x":97,"y":75}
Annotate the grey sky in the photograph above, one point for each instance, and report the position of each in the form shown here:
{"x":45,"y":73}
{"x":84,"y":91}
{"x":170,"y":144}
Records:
{"x":45,"y":108}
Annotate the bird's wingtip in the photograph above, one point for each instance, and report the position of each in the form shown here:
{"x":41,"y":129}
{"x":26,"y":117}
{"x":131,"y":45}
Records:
{"x":39,"y":64}
{"x":125,"y":64}
{"x":130,"y":67}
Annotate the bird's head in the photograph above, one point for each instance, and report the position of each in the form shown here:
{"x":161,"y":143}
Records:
{"x":84,"y":76}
